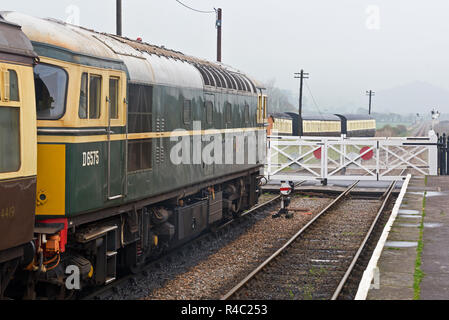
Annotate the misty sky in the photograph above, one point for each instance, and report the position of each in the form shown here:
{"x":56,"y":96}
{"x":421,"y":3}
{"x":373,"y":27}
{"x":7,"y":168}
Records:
{"x":347,"y":46}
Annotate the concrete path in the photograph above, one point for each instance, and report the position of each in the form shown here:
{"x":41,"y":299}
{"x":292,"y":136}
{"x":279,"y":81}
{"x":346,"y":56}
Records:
{"x":435,"y":256}
{"x":397,"y":264}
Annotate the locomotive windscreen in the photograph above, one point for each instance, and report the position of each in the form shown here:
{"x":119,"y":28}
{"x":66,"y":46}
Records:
{"x":51,"y":86}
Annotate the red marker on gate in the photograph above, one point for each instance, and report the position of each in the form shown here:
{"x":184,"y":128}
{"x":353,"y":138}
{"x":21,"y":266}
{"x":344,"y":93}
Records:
{"x":368,"y":155}
{"x":317,"y":153}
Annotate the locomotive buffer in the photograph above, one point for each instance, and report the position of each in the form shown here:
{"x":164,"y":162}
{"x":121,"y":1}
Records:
{"x":285,"y":190}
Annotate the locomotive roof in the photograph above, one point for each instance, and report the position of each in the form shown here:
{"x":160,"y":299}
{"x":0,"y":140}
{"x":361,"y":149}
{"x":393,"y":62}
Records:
{"x":14,"y":45}
{"x":145,"y":63}
{"x":352,"y":116}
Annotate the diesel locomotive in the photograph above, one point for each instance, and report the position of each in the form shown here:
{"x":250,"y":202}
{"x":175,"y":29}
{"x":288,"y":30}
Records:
{"x":89,"y":126}
{"x":328,"y":125}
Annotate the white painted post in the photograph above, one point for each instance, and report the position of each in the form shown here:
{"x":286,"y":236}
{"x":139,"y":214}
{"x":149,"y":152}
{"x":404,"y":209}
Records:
{"x":376,"y":279}
{"x":378,"y":160}
{"x":433,"y":154}
{"x":268,"y":172}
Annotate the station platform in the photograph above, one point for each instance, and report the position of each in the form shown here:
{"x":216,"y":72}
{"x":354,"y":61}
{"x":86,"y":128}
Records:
{"x":414,"y":262}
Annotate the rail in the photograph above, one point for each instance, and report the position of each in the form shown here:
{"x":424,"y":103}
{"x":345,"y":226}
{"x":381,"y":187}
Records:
{"x":95,"y":293}
{"x":387,"y":197}
{"x":242,"y":283}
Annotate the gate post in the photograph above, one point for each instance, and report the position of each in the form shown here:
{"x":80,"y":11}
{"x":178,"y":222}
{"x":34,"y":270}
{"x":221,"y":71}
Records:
{"x":446,"y":152}
{"x":433,"y":155}
{"x":444,"y":155}
{"x":439,"y":153}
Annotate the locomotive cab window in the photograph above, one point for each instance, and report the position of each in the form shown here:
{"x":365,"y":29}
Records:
{"x":51,"y":86}
{"x":94,"y":97}
{"x":90,"y":97}
{"x":113,"y":97}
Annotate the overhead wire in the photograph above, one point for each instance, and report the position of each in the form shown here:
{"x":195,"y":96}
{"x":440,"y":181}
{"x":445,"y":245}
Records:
{"x":188,"y":7}
{"x":313,"y":98}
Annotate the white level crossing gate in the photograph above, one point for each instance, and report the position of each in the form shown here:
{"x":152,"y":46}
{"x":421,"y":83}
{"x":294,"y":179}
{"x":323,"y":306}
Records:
{"x":338,"y":158}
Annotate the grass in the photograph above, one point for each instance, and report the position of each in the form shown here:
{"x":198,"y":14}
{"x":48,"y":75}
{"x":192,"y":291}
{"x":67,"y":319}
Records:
{"x":317,"y":272}
{"x":308,"y":292}
{"x":393,"y":248}
{"x":419,"y":274}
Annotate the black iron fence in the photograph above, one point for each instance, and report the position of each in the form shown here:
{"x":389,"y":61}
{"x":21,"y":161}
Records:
{"x":443,"y":154}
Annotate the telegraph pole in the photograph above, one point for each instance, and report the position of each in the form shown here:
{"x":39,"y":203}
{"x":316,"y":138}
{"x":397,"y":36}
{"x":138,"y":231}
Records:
{"x":119,"y":17}
{"x":370,"y":94}
{"x":218,"y":24}
{"x":301,"y":76}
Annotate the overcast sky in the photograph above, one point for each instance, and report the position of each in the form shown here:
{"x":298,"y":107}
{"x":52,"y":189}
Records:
{"x":347,"y":46}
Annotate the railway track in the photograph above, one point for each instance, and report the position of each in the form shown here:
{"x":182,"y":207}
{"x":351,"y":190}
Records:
{"x":421,"y":131}
{"x":318,"y":260}
{"x":107,"y":290}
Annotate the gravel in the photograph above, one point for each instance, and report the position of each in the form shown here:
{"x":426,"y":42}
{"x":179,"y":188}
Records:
{"x":313,"y":265}
{"x":208,"y":270}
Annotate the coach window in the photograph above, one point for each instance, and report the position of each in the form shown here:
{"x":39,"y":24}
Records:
{"x":265,"y":107}
{"x":9,"y":139}
{"x":113,"y":97}
{"x":13,"y":86}
{"x":187,"y":111}
{"x":259,"y":109}
{"x":209,"y":112}
{"x":50,"y":84}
